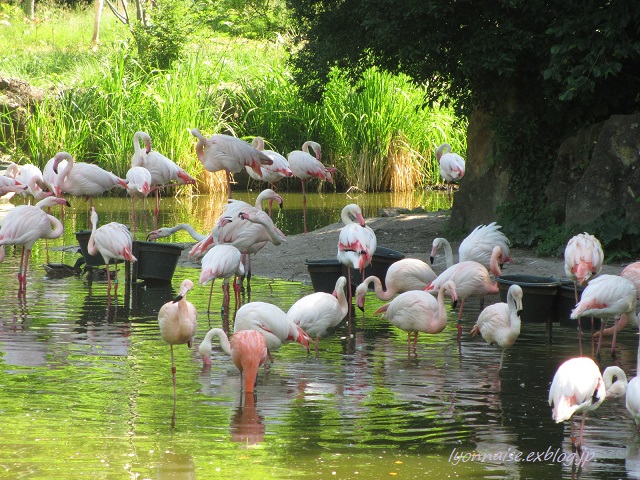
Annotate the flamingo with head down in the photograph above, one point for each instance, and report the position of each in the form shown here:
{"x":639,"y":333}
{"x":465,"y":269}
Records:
{"x":452,"y":165}
{"x":31,"y":176}
{"x":222,"y":261}
{"x":247,"y":349}
{"x":25,"y":225}
{"x":8,"y":184}
{"x":306,"y":166}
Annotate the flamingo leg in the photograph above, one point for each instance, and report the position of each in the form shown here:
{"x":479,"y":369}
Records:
{"x":580,"y":335}
{"x":115,"y":280}
{"x":108,"y":280}
{"x":236,"y":291}
{"x":249,"y":275}
{"x":409,"y":345}
{"x":600,"y":339}
{"x":615,"y":333}
{"x":228,"y":183}
{"x":415,"y":343}
{"x":317,"y":340}
{"x":501,"y":358}
{"x":210,"y":293}
{"x":304,"y":208}
{"x":175,"y":394}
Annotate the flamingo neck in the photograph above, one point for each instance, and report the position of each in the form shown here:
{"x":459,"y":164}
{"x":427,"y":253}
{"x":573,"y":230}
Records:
{"x":57,"y":229}
{"x":381,"y":293}
{"x":190,"y":230}
{"x":62,"y":175}
{"x":222,"y":336}
{"x":514,"y":319}
{"x":618,"y":387}
{"x":91,"y":246}
{"x":448,"y":253}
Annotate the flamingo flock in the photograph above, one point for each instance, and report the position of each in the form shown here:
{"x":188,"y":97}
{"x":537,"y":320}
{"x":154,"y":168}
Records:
{"x":414,"y":292}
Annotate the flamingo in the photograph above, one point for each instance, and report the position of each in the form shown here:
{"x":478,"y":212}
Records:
{"x":320,"y":311}
{"x":113,"y":241}
{"x":80,"y":178}
{"x":273,"y":173}
{"x":167,"y":231}
{"x":178,"y":321}
{"x":477,"y":246}
{"x":272,"y":322}
{"x":451,"y":165}
{"x":608,"y":296}
{"x":49,"y":176}
{"x":306,"y":166}
{"x":24,"y":225}
{"x":417,"y":311}
{"x":402,"y":276}
{"x":31,"y":176}
{"x":231,"y":154}
{"x":163,"y":170}
{"x":247,"y":348}
{"x":632,"y":401}
{"x":471,"y":280}
{"x":222,"y":261}
{"x":500,"y":323}
{"x":578,"y":386}
{"x":356,"y":244}
{"x":138,"y":185}
{"x":8,"y":184}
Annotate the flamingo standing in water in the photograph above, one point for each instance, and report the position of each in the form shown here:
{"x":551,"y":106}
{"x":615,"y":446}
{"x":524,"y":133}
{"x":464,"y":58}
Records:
{"x":138,"y":186}
{"x":231,"y":154}
{"x":31,"y":176}
{"x":306,"y":166}
{"x":471,"y":280}
{"x":452,"y":165}
{"x":356,"y":244}
{"x":272,"y":322}
{"x":417,"y":311}
{"x":609,"y":296}
{"x":247,"y":348}
{"x":222,"y":261}
{"x":163,"y":170}
{"x":273,"y":173}
{"x":24,"y":225}
{"x":578,"y":386}
{"x":402,"y":276}
{"x":82,"y":179}
{"x":500,"y":322}
{"x":113,"y":241}
{"x":178,"y":321}
{"x":477,"y":246}
{"x":320,"y":311}
{"x":167,"y":231}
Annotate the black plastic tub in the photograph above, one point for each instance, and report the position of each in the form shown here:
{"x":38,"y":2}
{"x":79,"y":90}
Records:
{"x":566,"y":302}
{"x":539,"y":296}
{"x":90,"y":260}
{"x":324,"y":274}
{"x":156,"y":263}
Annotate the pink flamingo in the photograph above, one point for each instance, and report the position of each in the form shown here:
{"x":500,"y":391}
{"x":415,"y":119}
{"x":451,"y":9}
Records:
{"x":49,"y":176}
{"x":178,"y":321}
{"x":320,"y":311}
{"x":273,"y":173}
{"x":24,"y":225}
{"x":138,"y":186}
{"x":83,"y":179}
{"x":222,"y":261}
{"x":608,"y":296}
{"x":272,"y":322}
{"x":306,"y":166}
{"x":247,"y":348}
{"x":113,"y":241}
{"x":471,"y":280}
{"x":31,"y":176}
{"x":163,"y":170}
{"x":500,"y":322}
{"x":417,"y":311}
{"x":231,"y":154}
{"x":477,"y":246}
{"x":578,"y":386}
{"x":402,"y":276}
{"x":451,"y":165}
{"x":8,"y":184}
{"x":356,"y":244}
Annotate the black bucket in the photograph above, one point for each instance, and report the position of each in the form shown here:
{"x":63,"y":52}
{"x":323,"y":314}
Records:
{"x":566,"y":302}
{"x":157,"y":262}
{"x":539,"y":295}
{"x":380,"y":263}
{"x":90,"y":260}
{"x":324,"y":274}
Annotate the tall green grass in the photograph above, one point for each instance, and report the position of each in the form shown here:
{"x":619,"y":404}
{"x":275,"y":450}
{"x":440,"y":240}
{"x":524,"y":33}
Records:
{"x":377,"y":133}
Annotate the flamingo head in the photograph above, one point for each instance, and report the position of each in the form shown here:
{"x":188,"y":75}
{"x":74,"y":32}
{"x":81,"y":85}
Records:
{"x":185,"y":287}
{"x":361,"y":291}
{"x":303,"y":338}
{"x":159,"y":233}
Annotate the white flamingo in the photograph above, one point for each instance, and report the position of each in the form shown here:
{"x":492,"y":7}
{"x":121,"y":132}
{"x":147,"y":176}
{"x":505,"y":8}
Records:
{"x":452,"y":165}
{"x":402,"y":276}
{"x":83,"y":179}
{"x":8,"y":184}
{"x":417,"y":311}
{"x":306,"y":166}
{"x":356,"y":244}
{"x":178,"y":322}
{"x":578,"y":386}
{"x":31,"y":176}
{"x":500,"y":322}
{"x":272,"y":322}
{"x":231,"y":154}
{"x":320,"y":311}
{"x":138,"y":186}
{"x":113,"y":241}
{"x":222,"y":261}
{"x":25,"y":225}
{"x":273,"y":173}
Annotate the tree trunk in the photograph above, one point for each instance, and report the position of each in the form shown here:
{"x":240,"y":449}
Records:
{"x":29,"y":7}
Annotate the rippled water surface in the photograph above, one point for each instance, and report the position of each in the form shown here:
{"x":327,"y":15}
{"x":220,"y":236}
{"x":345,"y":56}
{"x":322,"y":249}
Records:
{"x":86,"y":387}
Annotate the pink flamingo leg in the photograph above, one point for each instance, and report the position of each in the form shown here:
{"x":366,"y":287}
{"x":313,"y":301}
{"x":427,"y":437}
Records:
{"x":228,"y":183}
{"x":175,"y":394}
{"x":211,"y":293}
{"x":600,"y":339}
{"x":615,"y":333}
{"x":249,"y":275}
{"x":304,"y":208}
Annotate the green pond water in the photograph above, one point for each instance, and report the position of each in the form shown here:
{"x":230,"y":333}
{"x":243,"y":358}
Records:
{"x":86,"y":383}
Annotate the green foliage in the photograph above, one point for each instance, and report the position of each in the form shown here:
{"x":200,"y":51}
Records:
{"x":161,"y":42}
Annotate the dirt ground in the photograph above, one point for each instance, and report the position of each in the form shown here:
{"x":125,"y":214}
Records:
{"x":410,"y":234}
